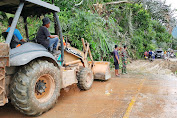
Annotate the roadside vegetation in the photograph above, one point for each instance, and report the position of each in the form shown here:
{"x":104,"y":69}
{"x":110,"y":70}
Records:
{"x":140,"y":24}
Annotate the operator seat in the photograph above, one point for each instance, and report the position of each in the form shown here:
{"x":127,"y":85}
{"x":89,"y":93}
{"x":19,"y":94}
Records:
{"x":14,"y":42}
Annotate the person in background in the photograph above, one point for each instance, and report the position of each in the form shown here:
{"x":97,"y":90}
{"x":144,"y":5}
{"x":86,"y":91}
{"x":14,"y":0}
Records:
{"x":124,"y":60}
{"x":145,"y":55}
{"x":150,"y":54}
{"x":165,"y":54}
{"x":116,"y":60}
{"x":168,"y":55}
{"x":45,"y":38}
{"x":153,"y":55}
{"x":16,"y":31}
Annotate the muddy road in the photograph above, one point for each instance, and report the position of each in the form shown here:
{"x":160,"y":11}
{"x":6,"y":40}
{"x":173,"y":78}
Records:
{"x":148,"y":91}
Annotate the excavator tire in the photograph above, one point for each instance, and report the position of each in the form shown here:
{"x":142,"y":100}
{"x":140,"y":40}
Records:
{"x":35,"y":88}
{"x":85,"y":78}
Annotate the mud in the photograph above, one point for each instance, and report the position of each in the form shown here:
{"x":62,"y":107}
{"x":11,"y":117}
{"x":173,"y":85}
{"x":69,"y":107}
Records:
{"x":148,"y":91}
{"x":156,"y":67}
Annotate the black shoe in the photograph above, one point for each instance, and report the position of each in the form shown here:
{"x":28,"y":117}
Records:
{"x":56,"y":52}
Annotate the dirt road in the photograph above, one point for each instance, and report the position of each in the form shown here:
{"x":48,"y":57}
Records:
{"x":148,"y":91}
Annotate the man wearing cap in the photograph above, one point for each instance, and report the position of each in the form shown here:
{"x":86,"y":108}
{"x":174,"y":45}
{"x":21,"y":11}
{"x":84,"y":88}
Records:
{"x":45,"y":38}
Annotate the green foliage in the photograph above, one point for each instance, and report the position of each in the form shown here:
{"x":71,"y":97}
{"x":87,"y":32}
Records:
{"x":3,"y":24}
{"x":120,"y":24}
{"x":92,"y":28}
{"x":149,"y":34}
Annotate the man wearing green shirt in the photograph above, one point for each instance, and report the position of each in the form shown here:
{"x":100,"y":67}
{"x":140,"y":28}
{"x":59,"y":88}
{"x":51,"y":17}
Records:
{"x":124,"y":60}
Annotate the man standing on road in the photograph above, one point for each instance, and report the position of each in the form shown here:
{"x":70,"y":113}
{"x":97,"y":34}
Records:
{"x":124,"y":60}
{"x":116,"y":60}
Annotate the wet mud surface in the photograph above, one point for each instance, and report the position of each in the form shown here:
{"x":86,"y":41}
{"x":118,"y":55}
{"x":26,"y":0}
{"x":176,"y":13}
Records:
{"x":139,"y":94}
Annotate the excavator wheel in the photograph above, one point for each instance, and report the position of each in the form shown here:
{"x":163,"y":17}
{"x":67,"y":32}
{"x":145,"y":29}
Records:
{"x":85,"y":78}
{"x":35,"y":88}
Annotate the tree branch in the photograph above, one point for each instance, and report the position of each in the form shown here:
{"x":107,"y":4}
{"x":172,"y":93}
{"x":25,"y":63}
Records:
{"x":114,"y":3}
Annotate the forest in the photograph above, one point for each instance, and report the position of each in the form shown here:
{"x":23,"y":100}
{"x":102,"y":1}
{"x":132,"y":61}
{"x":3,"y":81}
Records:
{"x":142,"y":25}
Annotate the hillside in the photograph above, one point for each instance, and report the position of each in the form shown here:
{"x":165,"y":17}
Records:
{"x":104,"y":23}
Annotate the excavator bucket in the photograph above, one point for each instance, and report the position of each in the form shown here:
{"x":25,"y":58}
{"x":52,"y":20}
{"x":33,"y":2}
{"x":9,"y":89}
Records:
{"x":4,"y":61}
{"x":101,"y":70}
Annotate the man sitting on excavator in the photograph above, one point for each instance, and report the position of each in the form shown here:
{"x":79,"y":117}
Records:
{"x":16,"y":31}
{"x":45,"y":38}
